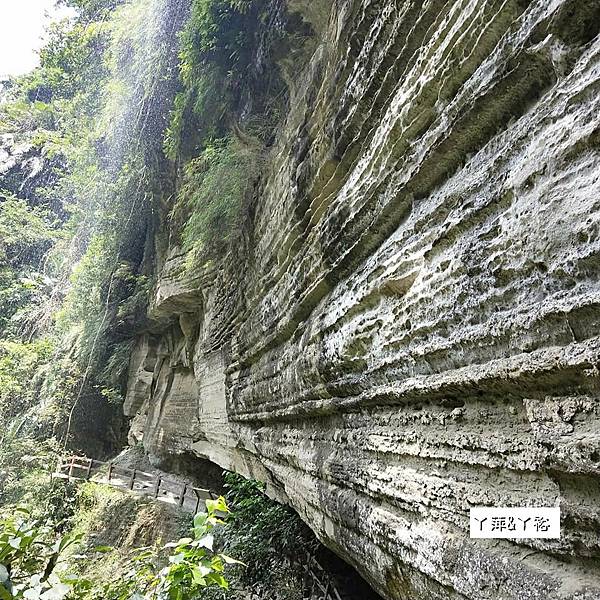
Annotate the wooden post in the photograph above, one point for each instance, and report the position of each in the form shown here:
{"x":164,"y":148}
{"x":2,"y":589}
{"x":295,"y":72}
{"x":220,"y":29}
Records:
{"x":183,"y":493}
{"x":132,"y":480}
{"x":88,"y":473}
{"x":157,"y":486}
{"x":110,"y":469}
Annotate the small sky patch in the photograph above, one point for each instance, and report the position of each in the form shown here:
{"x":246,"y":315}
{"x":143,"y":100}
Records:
{"x":22,"y":25}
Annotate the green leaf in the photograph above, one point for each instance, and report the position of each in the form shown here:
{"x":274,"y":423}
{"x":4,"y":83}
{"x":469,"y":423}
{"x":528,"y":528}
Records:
{"x":218,"y":505}
{"x":103,"y":549}
{"x":185,"y":541}
{"x":177,"y":559}
{"x":15,"y":542}
{"x":204,"y":569}
{"x":207,"y":541}
{"x":231,"y":561}
{"x":200,"y":519}
{"x":218,"y":579}
{"x":198,"y":577}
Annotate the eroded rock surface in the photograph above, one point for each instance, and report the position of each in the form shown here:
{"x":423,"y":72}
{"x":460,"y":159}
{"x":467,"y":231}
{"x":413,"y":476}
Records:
{"x":413,"y":325}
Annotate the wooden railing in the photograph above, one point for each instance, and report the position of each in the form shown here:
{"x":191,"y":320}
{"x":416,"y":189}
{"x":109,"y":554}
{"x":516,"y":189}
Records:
{"x":148,"y":484}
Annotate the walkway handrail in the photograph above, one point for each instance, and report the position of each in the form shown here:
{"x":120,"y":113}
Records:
{"x":83,"y":468}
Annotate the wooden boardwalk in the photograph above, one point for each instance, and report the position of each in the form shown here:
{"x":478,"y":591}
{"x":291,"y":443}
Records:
{"x":151,"y":485}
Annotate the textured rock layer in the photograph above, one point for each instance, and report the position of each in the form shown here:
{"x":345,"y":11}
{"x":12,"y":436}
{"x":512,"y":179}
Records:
{"x":413,"y":324}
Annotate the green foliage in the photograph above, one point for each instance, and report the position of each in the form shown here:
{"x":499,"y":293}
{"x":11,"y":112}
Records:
{"x":71,"y":61}
{"x":194,"y":565}
{"x":262,"y":532}
{"x":212,"y":192}
{"x":24,"y":115}
{"x":19,"y":364}
{"x":26,"y":235}
{"x":35,"y":561}
{"x":103,"y":508}
{"x":29,"y":556}
{"x":88,"y":281}
{"x":23,"y":464}
{"x":176,"y":571}
{"x":92,"y":10}
{"x":216,"y":45}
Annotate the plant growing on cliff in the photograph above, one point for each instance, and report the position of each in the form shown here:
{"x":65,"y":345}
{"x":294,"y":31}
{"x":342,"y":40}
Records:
{"x":26,"y":235}
{"x":216,"y":45}
{"x":262,"y":532}
{"x":210,"y":199}
{"x":19,"y":363}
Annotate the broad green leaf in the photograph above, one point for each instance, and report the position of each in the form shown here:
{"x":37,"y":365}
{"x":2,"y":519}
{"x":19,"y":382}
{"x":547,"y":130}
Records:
{"x":218,"y":579}
{"x":218,"y":505}
{"x":198,"y":577}
{"x":185,"y":541}
{"x":177,"y":559}
{"x":200,"y":519}
{"x":231,"y":561}
{"x":207,"y":541}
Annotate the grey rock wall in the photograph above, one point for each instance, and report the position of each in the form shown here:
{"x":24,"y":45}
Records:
{"x":412,"y":327}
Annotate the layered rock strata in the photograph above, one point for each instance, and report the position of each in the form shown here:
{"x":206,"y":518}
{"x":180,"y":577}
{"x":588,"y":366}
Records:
{"x":412,"y":326}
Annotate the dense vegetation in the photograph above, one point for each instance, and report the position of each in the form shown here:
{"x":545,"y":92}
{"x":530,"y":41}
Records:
{"x":97,"y":543}
{"x":133,"y":125}
{"x":35,"y":563}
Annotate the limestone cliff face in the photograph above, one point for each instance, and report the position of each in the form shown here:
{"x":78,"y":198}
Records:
{"x":413,"y":324}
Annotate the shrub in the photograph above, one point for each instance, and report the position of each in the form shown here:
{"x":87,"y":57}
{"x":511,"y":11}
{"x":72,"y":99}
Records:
{"x":211,"y":197}
{"x":261,"y":532}
{"x":29,"y":557}
{"x":19,"y":363}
